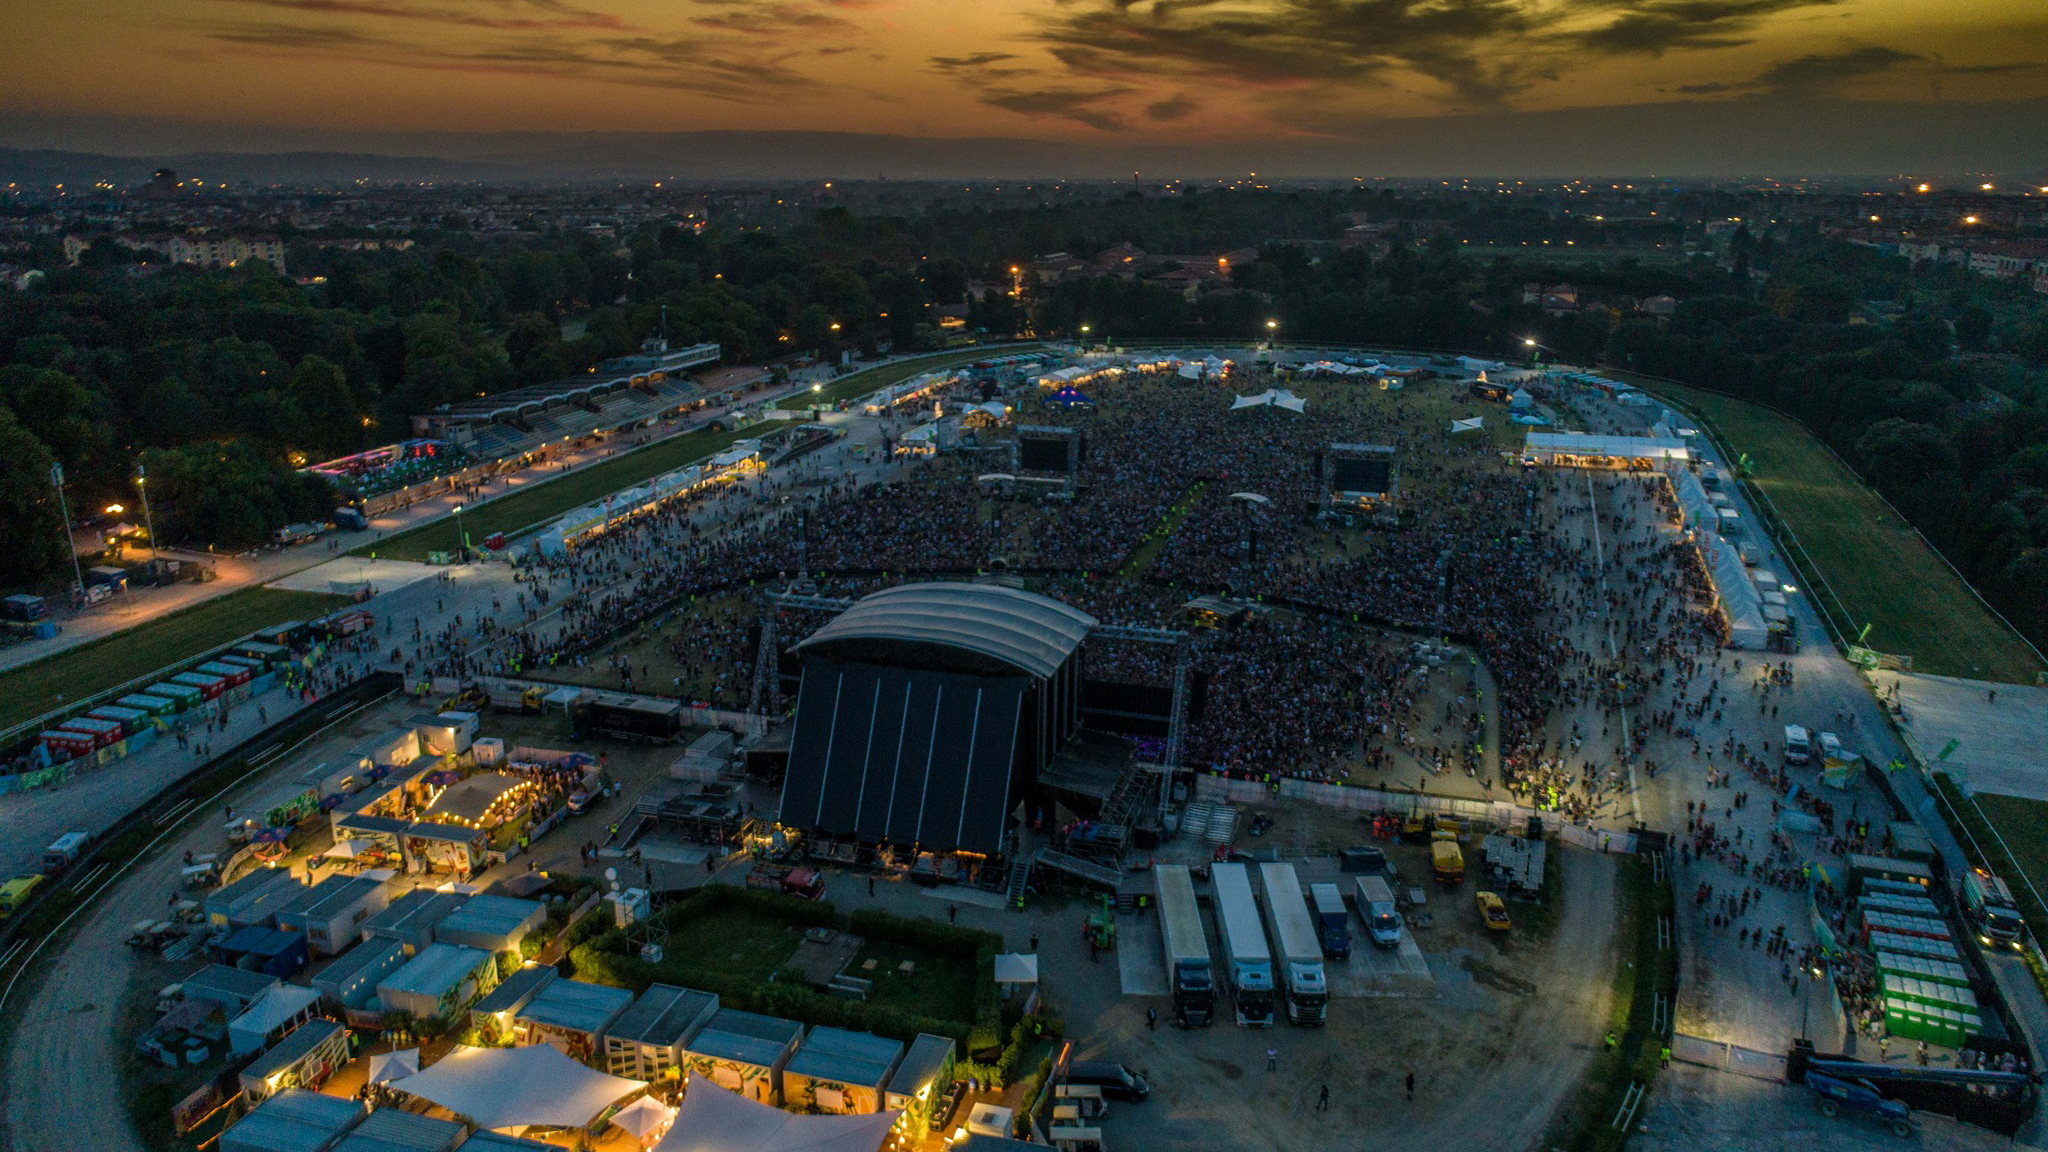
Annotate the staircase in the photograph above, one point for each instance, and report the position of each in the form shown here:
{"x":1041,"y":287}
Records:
{"x":1019,"y":875}
{"x":1096,"y":874}
{"x":1212,"y":823}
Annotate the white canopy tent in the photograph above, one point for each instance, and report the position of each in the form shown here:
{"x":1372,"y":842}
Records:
{"x":1739,"y":597}
{"x":715,"y":1120}
{"x":386,"y":1067}
{"x":1473,"y":424}
{"x":1016,"y":968}
{"x":1271,"y":398}
{"x":644,"y":1119}
{"x":275,"y":1008}
{"x":517,"y":1087}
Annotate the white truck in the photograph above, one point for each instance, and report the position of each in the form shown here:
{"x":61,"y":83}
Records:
{"x":1798,"y":744}
{"x":1190,"y":977}
{"x":1376,"y":908}
{"x":1293,"y":935}
{"x":1244,"y":946}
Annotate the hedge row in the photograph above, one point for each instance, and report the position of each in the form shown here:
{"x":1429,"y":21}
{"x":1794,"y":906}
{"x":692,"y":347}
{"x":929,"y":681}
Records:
{"x":602,"y":954}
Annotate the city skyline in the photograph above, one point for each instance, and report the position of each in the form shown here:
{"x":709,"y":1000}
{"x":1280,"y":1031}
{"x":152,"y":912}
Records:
{"x":1425,"y":82}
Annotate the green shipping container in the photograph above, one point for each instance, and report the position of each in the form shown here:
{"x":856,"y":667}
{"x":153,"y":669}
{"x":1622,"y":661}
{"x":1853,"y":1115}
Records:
{"x":183,"y":697}
{"x":146,"y":702}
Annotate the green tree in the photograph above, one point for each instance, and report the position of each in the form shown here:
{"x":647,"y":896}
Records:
{"x":35,"y":530}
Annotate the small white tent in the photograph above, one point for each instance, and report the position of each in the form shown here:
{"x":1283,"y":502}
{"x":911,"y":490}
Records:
{"x":385,"y":1067}
{"x":1473,"y":424}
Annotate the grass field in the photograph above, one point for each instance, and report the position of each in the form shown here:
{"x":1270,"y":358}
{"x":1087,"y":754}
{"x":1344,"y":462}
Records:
{"x":33,"y":689}
{"x":1879,"y":569}
{"x":737,"y":942}
{"x":536,"y":504}
{"x":2023,"y":825}
{"x":937,"y":988}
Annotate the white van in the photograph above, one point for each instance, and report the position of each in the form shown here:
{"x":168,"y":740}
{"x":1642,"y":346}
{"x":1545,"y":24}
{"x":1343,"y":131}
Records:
{"x":1798,"y":745}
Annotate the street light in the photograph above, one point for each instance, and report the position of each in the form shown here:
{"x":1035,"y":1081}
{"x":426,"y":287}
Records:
{"x":64,"y":514}
{"x":115,"y":509}
{"x":461,"y":537}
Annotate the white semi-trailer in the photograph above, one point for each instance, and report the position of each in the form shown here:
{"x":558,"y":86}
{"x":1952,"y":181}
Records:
{"x":1244,"y":946}
{"x":1300,"y":953}
{"x":1190,"y":976}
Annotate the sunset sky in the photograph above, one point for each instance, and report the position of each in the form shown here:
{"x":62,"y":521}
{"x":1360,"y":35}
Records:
{"x":1096,"y":70}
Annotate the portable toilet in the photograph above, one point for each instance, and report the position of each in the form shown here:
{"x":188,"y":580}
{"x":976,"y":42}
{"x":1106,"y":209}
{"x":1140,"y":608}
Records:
{"x":235,"y":675}
{"x":148,"y":702}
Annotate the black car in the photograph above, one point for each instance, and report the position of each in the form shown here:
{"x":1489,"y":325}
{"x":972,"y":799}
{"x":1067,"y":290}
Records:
{"x":1117,"y":1081}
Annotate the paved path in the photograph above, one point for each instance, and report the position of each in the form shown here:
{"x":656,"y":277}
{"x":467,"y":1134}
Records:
{"x":1998,"y":730}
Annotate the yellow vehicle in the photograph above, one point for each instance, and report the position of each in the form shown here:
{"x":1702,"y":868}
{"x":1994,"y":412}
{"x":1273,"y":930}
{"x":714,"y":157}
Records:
{"x":1448,"y":862}
{"x":16,"y":892}
{"x":1493,"y":911}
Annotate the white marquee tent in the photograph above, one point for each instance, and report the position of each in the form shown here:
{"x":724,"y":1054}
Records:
{"x":386,"y":1067}
{"x":1271,"y":398}
{"x":715,"y":1120}
{"x":516,"y":1087}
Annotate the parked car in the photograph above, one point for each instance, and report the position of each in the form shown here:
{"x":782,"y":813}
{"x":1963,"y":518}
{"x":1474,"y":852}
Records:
{"x":1117,"y":1081}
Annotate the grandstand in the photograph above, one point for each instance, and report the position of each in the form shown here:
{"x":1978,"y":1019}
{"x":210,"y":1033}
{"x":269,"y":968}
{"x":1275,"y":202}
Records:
{"x":618,"y":394}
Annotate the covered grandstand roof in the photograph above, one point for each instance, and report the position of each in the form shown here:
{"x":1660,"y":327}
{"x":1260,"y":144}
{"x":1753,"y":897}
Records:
{"x":1023,"y":630}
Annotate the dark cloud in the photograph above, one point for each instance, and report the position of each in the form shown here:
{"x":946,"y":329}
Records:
{"x":774,"y":17}
{"x":1654,"y":27}
{"x":1284,"y":44}
{"x":1810,"y":76}
{"x":261,"y":35}
{"x":1807,"y":75}
{"x":978,"y":60}
{"x":1081,"y":105}
{"x":512,"y":15}
{"x":1176,"y":107}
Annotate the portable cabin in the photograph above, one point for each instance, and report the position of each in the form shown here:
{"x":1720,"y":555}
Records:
{"x":107,"y":576}
{"x":646,"y":1042}
{"x":394,"y":749}
{"x":253,"y":899}
{"x":65,"y":851}
{"x":268,"y":654}
{"x":303,"y":1059}
{"x":287,"y":635}
{"x":569,"y":1014}
{"x":441,"y":982}
{"x":396,"y":1130}
{"x":915,"y":1087}
{"x":492,"y":923}
{"x":234,"y":989}
{"x":744,"y":1052}
{"x":331,"y":913}
{"x":353,"y":977}
{"x":131,"y":720}
{"x":293,"y":1120}
{"x":492,"y":1015}
{"x":411,"y":919}
{"x":448,"y":734}
{"x":266,"y":950}
{"x":841,"y":1072}
{"x":236,"y":675}
{"x":210,"y":686}
{"x":22,"y":606}
{"x":148,"y":703}
{"x":183,"y":697}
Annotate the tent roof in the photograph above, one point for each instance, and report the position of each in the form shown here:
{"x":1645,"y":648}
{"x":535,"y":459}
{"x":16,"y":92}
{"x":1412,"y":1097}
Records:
{"x":1029,"y":632}
{"x":714,"y":1120}
{"x":507,"y":1087}
{"x":1016,"y":968}
{"x":279,"y":1003}
{"x":388,"y":1066}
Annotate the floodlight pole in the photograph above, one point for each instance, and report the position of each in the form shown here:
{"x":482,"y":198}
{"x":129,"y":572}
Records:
{"x":64,"y":512}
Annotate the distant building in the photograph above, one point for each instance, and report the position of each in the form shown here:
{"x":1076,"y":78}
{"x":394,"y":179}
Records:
{"x":213,"y":251}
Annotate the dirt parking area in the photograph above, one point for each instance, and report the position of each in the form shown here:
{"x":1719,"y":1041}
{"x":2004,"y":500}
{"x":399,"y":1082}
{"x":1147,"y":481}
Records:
{"x":1496,"y":1039}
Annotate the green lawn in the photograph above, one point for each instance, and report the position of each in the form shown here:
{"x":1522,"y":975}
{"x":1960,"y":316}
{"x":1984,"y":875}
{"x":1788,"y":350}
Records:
{"x":2023,"y":825}
{"x":736,"y":942}
{"x":938,"y":987}
{"x":537,"y":504}
{"x":1880,"y":571}
{"x":33,"y":689}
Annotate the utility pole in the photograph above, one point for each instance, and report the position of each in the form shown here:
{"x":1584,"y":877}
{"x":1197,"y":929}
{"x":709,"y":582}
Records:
{"x":142,"y":485}
{"x":64,"y":511}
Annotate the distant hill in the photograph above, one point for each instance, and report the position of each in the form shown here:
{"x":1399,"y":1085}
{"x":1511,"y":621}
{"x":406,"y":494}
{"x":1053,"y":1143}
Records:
{"x":49,"y":166}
